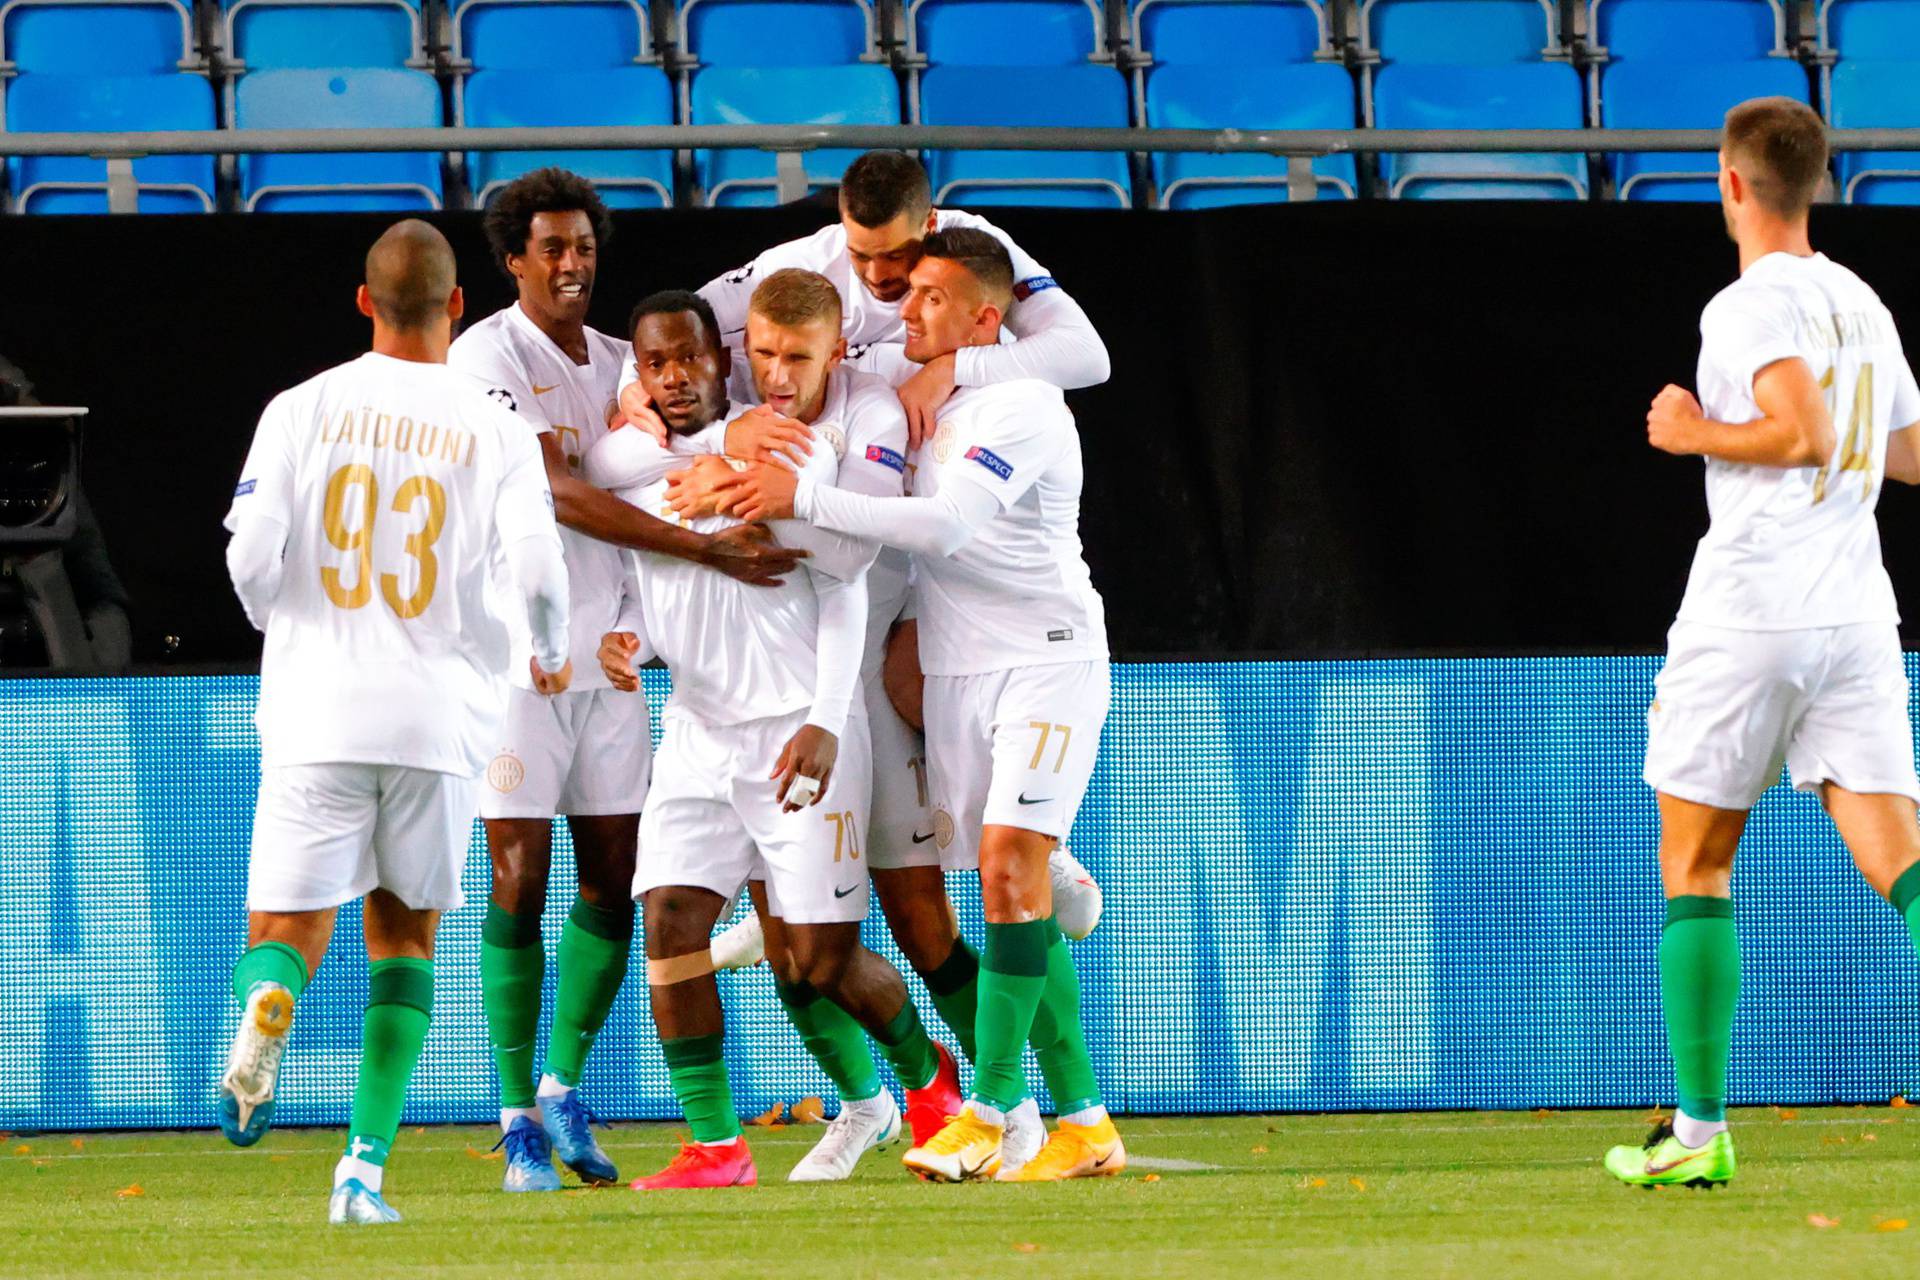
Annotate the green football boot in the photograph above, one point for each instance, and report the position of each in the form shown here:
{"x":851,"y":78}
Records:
{"x":1663,"y":1161}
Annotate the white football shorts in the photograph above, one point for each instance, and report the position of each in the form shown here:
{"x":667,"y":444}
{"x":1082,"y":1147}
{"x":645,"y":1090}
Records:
{"x":900,"y":829}
{"x":1012,"y":748}
{"x":584,"y":753}
{"x":326,"y":834}
{"x":1730,"y":707}
{"x":712,"y":820}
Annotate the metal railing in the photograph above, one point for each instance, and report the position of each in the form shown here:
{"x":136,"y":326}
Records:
{"x":1300,"y":147}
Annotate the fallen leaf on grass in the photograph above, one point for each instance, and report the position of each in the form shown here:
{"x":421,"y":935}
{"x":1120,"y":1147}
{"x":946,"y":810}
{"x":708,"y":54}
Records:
{"x":1869,"y":1137}
{"x":128,"y":1193}
{"x":1786,"y":1113}
{"x":1024,"y":1247}
{"x":419,"y":1129}
{"x":808,"y":1111}
{"x":1899,"y":1102}
{"x":773,"y":1115}
{"x":79,"y":1144}
{"x":1152,"y":1177}
{"x":1542,"y":1111}
{"x":1358,"y":1184}
{"x":23,"y":1150}
{"x":1891,"y":1224}
{"x":1312,"y":1184}
{"x":1822,"y":1221}
{"x":482,"y":1155}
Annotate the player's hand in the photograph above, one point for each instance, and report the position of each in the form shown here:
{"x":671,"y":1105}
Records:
{"x":749,"y":554}
{"x":1672,"y":419}
{"x":922,"y":395}
{"x":617,"y":650}
{"x":809,"y":753}
{"x":698,"y":490}
{"x":761,"y":435}
{"x":550,"y":682}
{"x":636,"y":408}
{"x":762,"y":492}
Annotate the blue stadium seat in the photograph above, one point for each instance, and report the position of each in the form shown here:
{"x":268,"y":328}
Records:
{"x":596,"y":96}
{"x":1309,"y":96}
{"x":1650,"y":95}
{"x":1876,"y":29}
{"x":1544,"y":95}
{"x":1006,"y":33}
{"x":1687,"y":30}
{"x":323,"y":33}
{"x":1230,"y":32}
{"x":99,"y":39}
{"x":777,"y":33}
{"x":858,"y":94}
{"x":82,"y":104}
{"x":1085,"y":95}
{"x":339,"y":98}
{"x":554,"y":35}
{"x":1459,"y":32}
{"x":1876,"y":93}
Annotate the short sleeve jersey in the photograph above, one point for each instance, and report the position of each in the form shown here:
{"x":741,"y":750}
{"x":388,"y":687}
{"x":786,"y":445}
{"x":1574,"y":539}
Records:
{"x":397,"y":483}
{"x":1018,"y":594}
{"x":1792,"y":548}
{"x":519,"y":366}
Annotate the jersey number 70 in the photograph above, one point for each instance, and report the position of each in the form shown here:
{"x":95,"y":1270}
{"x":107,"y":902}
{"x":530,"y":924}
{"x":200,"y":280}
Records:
{"x":359,"y":539}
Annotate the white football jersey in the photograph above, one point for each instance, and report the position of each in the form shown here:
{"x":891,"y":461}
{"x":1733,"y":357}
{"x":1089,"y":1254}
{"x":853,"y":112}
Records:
{"x":522,"y":368}
{"x":1018,"y":594}
{"x":737,"y":652}
{"x":398,"y":482}
{"x":1790,"y":548}
{"x":863,"y":423}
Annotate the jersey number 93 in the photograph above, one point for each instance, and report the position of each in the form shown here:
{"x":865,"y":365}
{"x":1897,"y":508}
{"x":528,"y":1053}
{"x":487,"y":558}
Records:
{"x":357,"y":481}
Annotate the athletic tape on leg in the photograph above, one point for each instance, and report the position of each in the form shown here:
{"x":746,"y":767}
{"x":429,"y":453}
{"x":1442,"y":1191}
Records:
{"x":681,"y":968}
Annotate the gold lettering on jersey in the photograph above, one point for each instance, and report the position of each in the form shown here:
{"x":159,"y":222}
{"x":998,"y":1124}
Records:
{"x":569,"y":441}
{"x":1856,"y":448}
{"x":379,"y":429}
{"x":1846,"y":329}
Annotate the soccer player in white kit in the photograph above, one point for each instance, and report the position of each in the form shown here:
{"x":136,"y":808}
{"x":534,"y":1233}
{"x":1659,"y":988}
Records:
{"x":373,"y":504}
{"x":1013,"y":643}
{"x":764,"y":764}
{"x":886,"y":213}
{"x":586,"y":754}
{"x":1785,"y":648}
{"x":795,"y":374}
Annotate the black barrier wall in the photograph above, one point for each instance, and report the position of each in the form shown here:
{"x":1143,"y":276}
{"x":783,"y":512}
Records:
{"x":1331,"y":429}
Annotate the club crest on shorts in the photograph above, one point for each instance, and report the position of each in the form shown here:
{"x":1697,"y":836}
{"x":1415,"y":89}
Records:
{"x":942,"y":828}
{"x":943,"y":442}
{"x":506,"y":772}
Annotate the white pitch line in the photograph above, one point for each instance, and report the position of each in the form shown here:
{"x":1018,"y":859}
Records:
{"x":1171,"y":1165}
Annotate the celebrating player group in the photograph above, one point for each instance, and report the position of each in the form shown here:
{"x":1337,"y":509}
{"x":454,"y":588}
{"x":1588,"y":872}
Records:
{"x":837,"y":493}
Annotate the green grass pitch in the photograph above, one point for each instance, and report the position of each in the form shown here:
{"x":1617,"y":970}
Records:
{"x":1482,"y":1195}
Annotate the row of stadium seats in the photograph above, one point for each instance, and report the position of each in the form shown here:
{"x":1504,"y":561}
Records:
{"x":153,"y":64}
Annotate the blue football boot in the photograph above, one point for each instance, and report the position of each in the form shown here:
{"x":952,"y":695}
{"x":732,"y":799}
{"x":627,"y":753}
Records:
{"x":570,"y":1125}
{"x":529,"y":1158}
{"x":245,"y":1105}
{"x":356,"y":1204}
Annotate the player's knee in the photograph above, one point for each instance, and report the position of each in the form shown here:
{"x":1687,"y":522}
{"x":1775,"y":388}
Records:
{"x":520,"y":894}
{"x":677,"y":921}
{"x":821,"y":956}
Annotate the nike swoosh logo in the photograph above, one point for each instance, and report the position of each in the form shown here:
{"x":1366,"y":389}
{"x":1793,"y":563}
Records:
{"x":540,"y":390}
{"x":922,"y":839}
{"x":1675,"y":1164}
{"x":841,"y":893}
{"x":1101,"y":1163}
{"x":1041,"y":800}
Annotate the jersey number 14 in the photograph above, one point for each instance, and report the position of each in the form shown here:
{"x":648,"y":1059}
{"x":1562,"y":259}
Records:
{"x":358,"y":478}
{"x":1856,"y":449}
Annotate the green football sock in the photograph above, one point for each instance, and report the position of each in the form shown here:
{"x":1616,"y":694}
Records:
{"x":1905,"y":896}
{"x":699,"y":1076}
{"x":833,"y":1038}
{"x":909,"y":1049}
{"x":1011,"y":980}
{"x":269,"y":962}
{"x":1699,"y":984}
{"x":592,"y":963}
{"x":1059,"y":1038}
{"x":513,"y":964}
{"x":955,"y":988}
{"x":399,"y":1008}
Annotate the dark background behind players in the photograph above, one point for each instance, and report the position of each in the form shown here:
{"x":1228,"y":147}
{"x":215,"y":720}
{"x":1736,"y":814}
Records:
{"x":1295,"y":456}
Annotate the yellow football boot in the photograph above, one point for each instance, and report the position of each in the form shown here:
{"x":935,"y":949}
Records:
{"x":1075,"y":1151}
{"x":965,"y":1150}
